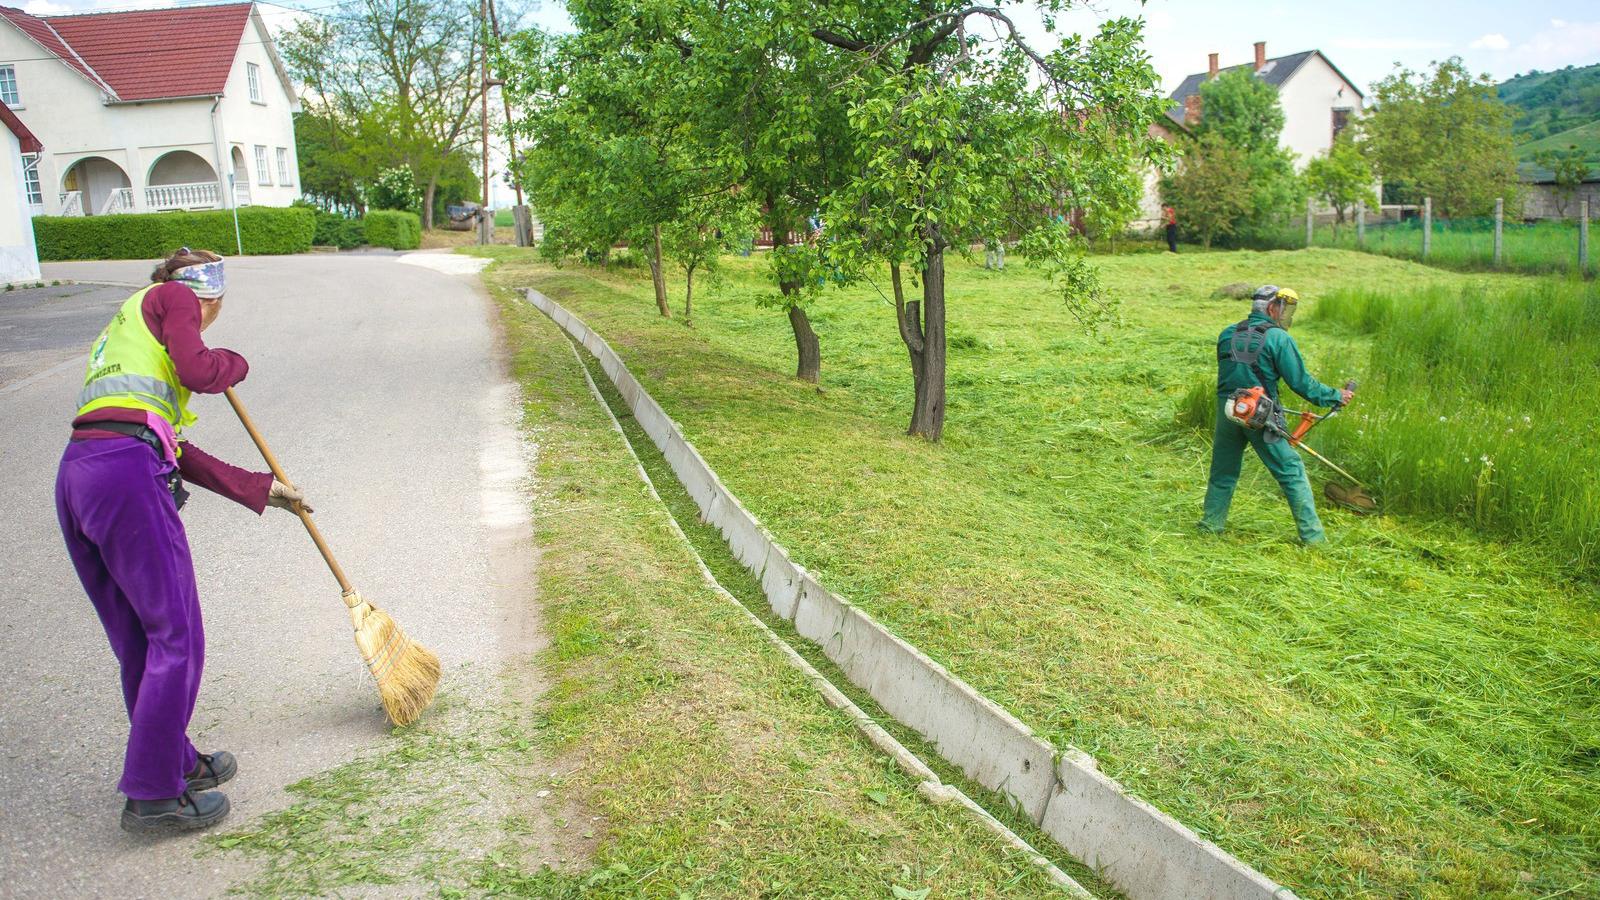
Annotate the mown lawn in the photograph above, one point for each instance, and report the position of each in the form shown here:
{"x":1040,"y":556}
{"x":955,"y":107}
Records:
{"x":660,"y":747}
{"x":1411,"y":712}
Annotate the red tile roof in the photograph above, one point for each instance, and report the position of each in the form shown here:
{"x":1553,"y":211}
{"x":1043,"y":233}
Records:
{"x":42,"y":34}
{"x":30,"y":144}
{"x":150,"y":54}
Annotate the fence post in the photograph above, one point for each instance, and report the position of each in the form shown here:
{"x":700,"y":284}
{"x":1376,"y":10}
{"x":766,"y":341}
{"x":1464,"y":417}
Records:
{"x":1499,"y":228}
{"x":1583,"y":237}
{"x":1427,"y":226}
{"x":1361,"y":226}
{"x":1310,"y":224}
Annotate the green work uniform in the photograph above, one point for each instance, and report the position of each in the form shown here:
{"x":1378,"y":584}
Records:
{"x":1279,"y":359}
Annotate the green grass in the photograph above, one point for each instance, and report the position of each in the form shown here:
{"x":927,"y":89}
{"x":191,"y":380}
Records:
{"x":683,"y":756}
{"x":1463,"y":245}
{"x":1407,"y":713}
{"x":504,"y":218}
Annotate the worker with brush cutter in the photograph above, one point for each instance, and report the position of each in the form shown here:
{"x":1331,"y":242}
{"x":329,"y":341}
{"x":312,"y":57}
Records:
{"x":1252,"y":356}
{"x":118,"y":492}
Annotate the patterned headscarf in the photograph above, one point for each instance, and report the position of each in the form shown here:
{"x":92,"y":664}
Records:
{"x":206,"y":280}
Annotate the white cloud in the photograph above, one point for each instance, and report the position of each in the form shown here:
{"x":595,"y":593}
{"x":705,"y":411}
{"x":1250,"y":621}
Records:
{"x":1558,"y":23}
{"x":45,"y":8}
{"x":1572,"y":43}
{"x":1493,"y":41}
{"x":1159,"y":20}
{"x":1388,"y":43}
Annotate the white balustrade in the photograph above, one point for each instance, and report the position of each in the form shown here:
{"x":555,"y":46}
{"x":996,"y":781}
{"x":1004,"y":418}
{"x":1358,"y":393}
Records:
{"x":120,"y":201}
{"x":71,"y":203}
{"x":196,"y":195}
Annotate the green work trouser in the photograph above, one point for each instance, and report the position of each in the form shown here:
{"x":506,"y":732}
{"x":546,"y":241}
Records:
{"x":1227,"y":454}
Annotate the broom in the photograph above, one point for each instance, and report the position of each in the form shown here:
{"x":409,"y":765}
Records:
{"x":407,"y":672}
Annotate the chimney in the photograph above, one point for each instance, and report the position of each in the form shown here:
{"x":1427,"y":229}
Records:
{"x":1191,"y":109}
{"x":1261,"y":54}
{"x":1212,"y":69}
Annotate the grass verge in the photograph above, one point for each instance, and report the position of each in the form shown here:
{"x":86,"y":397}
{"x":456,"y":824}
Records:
{"x":1331,"y":718}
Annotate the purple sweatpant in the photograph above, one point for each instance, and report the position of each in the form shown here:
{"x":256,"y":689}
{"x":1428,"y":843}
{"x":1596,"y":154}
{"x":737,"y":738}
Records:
{"x":131,"y":553}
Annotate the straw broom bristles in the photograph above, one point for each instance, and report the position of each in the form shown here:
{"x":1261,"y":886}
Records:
{"x":407,"y":672}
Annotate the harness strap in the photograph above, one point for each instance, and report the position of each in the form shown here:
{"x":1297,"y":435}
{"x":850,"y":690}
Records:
{"x":1245,"y":346}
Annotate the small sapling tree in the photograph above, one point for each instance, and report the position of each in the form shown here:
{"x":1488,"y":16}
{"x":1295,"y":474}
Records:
{"x":1342,"y":178}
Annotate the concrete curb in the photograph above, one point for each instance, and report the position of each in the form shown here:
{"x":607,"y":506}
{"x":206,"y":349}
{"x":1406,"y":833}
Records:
{"x":1145,"y":853}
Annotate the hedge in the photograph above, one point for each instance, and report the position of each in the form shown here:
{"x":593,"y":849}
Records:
{"x":393,"y":228}
{"x":334,"y":230}
{"x":263,"y":229}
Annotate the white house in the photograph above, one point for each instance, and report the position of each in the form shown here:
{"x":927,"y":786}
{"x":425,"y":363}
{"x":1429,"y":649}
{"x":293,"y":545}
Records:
{"x":151,"y":110}
{"x":19,"y":258}
{"x":1318,"y":100}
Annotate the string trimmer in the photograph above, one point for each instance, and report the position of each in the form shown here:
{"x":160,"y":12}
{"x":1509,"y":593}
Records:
{"x":1251,"y":408}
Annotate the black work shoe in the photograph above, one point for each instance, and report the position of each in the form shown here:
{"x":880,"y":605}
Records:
{"x":183,"y":813}
{"x":211,"y":769}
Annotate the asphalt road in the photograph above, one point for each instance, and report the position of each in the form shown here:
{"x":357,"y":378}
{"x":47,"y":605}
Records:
{"x":377,"y":382}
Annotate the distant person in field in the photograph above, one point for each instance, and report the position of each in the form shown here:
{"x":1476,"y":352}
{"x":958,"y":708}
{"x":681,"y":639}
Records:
{"x":1259,"y":351}
{"x":1170,"y":216}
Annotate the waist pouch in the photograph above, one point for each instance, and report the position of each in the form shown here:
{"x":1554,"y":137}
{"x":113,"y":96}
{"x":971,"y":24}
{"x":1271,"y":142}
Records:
{"x":147,"y":435}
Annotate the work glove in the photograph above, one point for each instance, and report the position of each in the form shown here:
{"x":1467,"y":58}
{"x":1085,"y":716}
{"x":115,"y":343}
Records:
{"x":284,"y":497}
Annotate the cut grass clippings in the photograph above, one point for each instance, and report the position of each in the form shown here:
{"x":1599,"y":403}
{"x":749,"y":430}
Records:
{"x":1412,"y":711}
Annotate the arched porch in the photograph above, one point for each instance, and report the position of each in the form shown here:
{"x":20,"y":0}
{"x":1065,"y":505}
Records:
{"x":95,"y":185}
{"x":181,"y":179}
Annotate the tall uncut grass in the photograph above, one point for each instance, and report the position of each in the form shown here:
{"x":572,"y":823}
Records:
{"x":1481,"y":404}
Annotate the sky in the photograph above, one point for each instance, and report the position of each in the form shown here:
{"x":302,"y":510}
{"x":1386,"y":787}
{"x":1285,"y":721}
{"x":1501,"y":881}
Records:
{"x":1364,"y":38}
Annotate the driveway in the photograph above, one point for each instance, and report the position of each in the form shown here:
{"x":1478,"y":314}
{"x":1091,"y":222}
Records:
{"x":377,"y":382}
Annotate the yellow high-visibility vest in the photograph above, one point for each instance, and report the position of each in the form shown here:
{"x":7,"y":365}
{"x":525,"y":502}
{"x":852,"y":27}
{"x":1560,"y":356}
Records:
{"x":130,"y":369}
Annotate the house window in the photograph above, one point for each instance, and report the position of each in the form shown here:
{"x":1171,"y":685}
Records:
{"x":30,"y":179}
{"x":283,"y":165}
{"x":8,"y":86}
{"x":254,"y":72}
{"x":263,"y":174}
{"x":1341,"y":118}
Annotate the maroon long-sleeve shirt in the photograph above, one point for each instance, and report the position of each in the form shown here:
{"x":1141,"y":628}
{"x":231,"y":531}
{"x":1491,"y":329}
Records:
{"x":172,"y":313}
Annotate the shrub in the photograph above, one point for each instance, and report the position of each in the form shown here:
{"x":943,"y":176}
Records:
{"x":334,"y":230}
{"x":262,"y":229}
{"x":393,"y":228}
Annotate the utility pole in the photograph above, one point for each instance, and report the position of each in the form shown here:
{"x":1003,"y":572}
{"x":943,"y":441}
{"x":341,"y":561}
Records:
{"x":521,"y":215}
{"x":485,"y":224}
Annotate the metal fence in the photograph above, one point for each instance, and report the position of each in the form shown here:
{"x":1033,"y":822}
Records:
{"x":1481,"y":243}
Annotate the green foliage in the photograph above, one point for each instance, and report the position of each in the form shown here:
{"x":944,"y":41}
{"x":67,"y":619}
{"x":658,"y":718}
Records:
{"x":332,"y":167}
{"x":1480,"y":405}
{"x":394,"y":188}
{"x":1442,"y":134}
{"x":1343,"y":178}
{"x":394,"y":228}
{"x":263,"y":230}
{"x":1244,"y":112}
{"x":1211,"y":188}
{"x":1548,"y":103}
{"x":337,"y":230}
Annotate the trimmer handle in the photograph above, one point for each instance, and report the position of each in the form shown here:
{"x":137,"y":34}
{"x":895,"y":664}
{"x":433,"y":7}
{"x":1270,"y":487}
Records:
{"x":1339,"y":404}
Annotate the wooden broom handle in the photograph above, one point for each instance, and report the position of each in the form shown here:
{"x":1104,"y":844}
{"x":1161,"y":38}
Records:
{"x":277,"y":472}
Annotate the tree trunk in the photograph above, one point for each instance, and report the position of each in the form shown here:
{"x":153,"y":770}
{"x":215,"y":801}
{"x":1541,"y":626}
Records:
{"x":807,"y":348}
{"x":427,"y":202}
{"x":658,"y":278}
{"x":927,"y":414}
{"x":688,"y":296}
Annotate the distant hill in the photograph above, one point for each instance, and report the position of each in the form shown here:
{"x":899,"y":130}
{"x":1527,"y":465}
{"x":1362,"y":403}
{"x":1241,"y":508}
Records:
{"x":1585,"y":137}
{"x":1553,"y":102}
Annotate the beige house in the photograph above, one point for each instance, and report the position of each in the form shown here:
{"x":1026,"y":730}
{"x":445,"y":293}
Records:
{"x":151,"y":110}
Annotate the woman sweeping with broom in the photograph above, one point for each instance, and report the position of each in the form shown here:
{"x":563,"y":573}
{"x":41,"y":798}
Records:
{"x":118,"y":492}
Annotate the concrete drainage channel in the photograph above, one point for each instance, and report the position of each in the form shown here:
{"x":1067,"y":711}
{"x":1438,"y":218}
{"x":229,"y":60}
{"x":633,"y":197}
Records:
{"x":1141,"y":851}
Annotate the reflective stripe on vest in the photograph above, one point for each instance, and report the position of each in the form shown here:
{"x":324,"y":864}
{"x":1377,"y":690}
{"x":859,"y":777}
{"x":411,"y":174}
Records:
{"x":129,"y":369}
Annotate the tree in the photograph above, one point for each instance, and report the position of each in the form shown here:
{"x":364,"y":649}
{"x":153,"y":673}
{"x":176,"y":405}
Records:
{"x":399,"y":78}
{"x":1342,"y":178}
{"x":1244,"y":112}
{"x":1211,"y":186}
{"x":961,"y":134}
{"x":1570,"y":168}
{"x":1443,"y":135}
{"x":709,"y":227}
{"x":331,"y":170}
